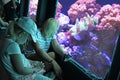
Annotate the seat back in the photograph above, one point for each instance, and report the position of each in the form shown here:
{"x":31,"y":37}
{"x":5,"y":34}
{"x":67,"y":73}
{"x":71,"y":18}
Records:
{"x":3,"y":73}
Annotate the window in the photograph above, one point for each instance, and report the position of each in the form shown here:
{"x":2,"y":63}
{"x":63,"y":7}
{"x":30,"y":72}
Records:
{"x":88,"y":31}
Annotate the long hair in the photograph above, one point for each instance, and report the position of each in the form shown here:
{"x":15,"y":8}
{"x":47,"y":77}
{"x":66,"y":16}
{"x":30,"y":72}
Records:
{"x":49,"y":27}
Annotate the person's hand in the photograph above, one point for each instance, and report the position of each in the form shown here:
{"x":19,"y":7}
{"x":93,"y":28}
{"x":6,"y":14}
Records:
{"x":37,"y":64}
{"x":39,"y":67}
{"x":39,"y":70}
{"x":57,"y":69}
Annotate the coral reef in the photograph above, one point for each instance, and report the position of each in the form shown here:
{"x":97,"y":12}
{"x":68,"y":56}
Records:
{"x":81,"y":7}
{"x":109,"y":17}
{"x":94,"y":46}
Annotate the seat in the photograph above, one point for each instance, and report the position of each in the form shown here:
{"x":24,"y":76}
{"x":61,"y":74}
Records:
{"x":3,"y":74}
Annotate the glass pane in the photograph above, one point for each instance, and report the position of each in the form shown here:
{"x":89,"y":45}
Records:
{"x":88,"y":31}
{"x":33,"y":9}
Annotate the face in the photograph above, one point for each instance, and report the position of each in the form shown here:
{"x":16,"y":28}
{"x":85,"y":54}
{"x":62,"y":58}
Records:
{"x":21,"y":36}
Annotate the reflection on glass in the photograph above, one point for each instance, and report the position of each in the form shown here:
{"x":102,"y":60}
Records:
{"x":88,"y":32}
{"x":33,"y":9}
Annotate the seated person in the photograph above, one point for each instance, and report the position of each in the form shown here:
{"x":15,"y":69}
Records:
{"x":46,"y":38}
{"x":15,"y":63}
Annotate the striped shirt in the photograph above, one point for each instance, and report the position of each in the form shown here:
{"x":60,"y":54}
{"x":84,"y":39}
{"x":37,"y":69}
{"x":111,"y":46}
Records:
{"x":44,"y":44}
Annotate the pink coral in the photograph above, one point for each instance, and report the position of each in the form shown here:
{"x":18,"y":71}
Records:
{"x":61,"y":18}
{"x":109,"y":17}
{"x":81,"y":7}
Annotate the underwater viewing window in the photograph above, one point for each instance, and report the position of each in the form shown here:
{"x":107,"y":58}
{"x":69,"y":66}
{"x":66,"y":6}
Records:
{"x":88,"y":31}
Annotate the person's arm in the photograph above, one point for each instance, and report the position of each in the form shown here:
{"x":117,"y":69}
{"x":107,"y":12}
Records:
{"x":37,"y":64}
{"x":42,"y":53}
{"x":58,"y":48}
{"x":19,"y":67}
{"x":50,"y":60}
{"x":3,"y":23}
{"x":17,"y":60}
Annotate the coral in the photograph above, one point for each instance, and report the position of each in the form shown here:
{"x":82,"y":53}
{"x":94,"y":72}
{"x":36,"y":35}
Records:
{"x":81,"y":7}
{"x":83,"y":24}
{"x":58,"y":10}
{"x":62,"y":19}
{"x":109,"y":17}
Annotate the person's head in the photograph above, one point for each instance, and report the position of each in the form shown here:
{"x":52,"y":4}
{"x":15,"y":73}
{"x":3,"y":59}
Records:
{"x":22,"y":29}
{"x":50,"y":27}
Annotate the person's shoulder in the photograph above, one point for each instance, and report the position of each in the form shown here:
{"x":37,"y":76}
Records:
{"x":10,"y":41}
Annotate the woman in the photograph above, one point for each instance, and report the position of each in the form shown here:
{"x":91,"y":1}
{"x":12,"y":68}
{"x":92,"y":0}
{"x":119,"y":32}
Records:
{"x":46,"y":38}
{"x":16,"y":64}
